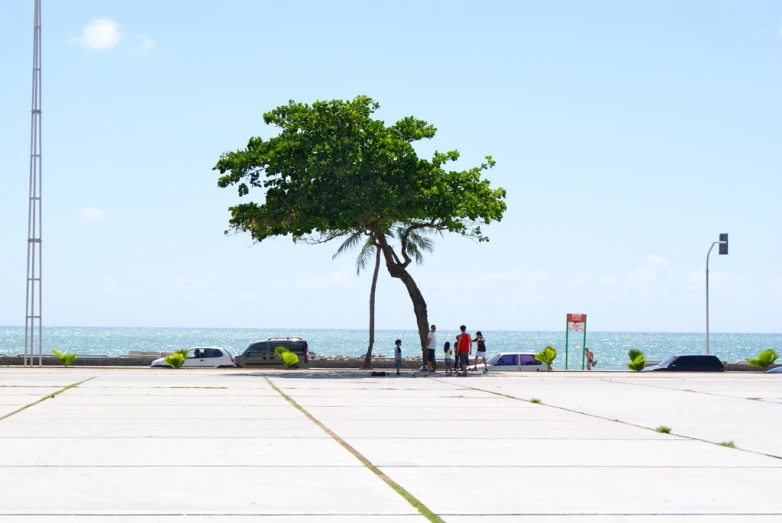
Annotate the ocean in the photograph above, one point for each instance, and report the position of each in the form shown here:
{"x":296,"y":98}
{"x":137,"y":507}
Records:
{"x":610,"y":348}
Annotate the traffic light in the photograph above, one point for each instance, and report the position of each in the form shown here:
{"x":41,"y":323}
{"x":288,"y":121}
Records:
{"x":724,"y":243}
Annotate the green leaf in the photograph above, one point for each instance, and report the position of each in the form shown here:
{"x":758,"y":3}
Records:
{"x":547,"y":356}
{"x":175,"y":360}
{"x":637,"y":360}
{"x":764,"y":359}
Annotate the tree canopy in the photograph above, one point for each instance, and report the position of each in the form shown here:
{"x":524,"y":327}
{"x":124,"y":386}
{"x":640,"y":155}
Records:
{"x":333,"y":167}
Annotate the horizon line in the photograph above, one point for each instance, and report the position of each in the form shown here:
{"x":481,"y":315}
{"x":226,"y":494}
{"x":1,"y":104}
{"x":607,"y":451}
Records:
{"x":364,"y":329}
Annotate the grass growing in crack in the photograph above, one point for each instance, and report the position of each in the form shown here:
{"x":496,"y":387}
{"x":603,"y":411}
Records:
{"x":728,"y":444}
{"x":662,"y":429}
{"x":535,"y":400}
{"x":754,"y":399}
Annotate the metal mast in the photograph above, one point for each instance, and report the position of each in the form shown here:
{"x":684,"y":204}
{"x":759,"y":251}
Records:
{"x":33,"y":332}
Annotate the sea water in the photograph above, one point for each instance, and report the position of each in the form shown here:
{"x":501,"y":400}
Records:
{"x":610,"y":348}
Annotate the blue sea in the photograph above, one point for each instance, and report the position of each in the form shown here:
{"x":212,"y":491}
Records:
{"x":610,"y":348}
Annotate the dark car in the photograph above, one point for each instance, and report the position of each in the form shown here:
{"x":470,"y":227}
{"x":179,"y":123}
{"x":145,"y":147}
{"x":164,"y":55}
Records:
{"x":262,"y":354}
{"x":689,"y":363}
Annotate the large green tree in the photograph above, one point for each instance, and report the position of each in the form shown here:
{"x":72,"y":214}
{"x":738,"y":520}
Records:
{"x":334,"y":169}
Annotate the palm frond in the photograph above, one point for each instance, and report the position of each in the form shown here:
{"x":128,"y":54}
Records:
{"x":349,"y":243}
{"x":366,"y":255}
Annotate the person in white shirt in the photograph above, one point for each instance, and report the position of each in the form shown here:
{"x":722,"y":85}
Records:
{"x":431,"y":346}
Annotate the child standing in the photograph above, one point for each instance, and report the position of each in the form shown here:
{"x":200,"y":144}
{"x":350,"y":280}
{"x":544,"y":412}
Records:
{"x":398,"y":356}
{"x":448,"y":358}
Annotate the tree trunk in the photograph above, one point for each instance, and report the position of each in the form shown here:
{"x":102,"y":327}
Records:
{"x":398,"y":270}
{"x":368,"y":359}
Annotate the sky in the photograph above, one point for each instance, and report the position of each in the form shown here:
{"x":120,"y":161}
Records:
{"x":628,"y":136}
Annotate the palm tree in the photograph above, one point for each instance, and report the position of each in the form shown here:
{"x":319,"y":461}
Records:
{"x":416,"y":244}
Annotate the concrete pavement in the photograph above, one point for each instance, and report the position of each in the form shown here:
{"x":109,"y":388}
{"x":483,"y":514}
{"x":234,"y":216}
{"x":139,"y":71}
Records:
{"x":143,"y":445}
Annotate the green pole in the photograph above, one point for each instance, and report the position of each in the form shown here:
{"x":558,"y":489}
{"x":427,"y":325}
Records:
{"x":583,"y":346}
{"x":567,"y":333}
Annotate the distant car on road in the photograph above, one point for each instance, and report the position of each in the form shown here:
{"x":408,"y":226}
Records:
{"x":775,"y":370}
{"x":214,"y":357}
{"x":688,"y":363}
{"x":262,"y":354}
{"x":514,"y":361}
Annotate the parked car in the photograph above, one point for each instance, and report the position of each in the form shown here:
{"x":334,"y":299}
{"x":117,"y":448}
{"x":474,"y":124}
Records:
{"x":689,"y":363}
{"x":515,"y":361}
{"x":775,"y":370}
{"x":262,"y":354}
{"x":203,"y":357}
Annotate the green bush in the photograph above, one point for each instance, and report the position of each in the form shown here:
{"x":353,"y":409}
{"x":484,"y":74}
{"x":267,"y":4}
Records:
{"x":290,"y":359}
{"x":176,"y":359}
{"x":547,"y":356}
{"x":637,"y":360}
{"x":65,"y":359}
{"x":764,"y":360}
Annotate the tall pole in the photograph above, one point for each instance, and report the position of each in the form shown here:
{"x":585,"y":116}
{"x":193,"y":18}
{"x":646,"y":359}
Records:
{"x":707,"y":295}
{"x":33,"y":330}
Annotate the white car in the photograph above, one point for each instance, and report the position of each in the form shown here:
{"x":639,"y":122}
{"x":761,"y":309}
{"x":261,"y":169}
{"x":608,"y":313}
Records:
{"x":214,"y":357}
{"x":515,"y":361}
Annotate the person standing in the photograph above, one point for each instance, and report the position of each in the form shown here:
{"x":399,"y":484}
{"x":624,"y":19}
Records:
{"x":431,"y":346}
{"x":398,"y":356}
{"x":590,"y":358}
{"x":448,"y":358}
{"x":481,"y":352}
{"x":464,"y":349}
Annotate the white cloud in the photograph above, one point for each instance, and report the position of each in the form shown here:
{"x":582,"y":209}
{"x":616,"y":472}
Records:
{"x":339,"y":278}
{"x":576,"y":281}
{"x":110,"y":284}
{"x":92,"y":213}
{"x":145,"y":44}
{"x":657,"y":260}
{"x":642,"y":276}
{"x":101,"y":34}
{"x":531,"y":278}
{"x":607,"y":280}
{"x":184,"y":280}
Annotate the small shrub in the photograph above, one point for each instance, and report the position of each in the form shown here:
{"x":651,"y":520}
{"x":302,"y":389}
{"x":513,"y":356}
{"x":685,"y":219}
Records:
{"x":534,"y":400}
{"x":175,"y":360}
{"x":547,"y":356}
{"x":764,"y":360}
{"x":65,"y":359}
{"x":637,"y":360}
{"x":662,"y":429}
{"x":728,"y":444}
{"x":290,"y":359}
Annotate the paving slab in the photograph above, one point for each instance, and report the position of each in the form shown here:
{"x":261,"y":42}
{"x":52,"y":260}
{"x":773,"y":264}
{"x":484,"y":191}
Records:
{"x":623,"y":518}
{"x":159,"y":428}
{"x":507,"y":413}
{"x":221,"y":518}
{"x":174,"y":452}
{"x":667,"y":453}
{"x":592,"y":490}
{"x":56,"y":410}
{"x":750,"y":424}
{"x":198,"y":490}
{"x":489,"y":430}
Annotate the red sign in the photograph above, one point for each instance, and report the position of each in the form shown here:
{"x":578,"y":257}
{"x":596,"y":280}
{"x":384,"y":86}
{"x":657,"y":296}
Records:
{"x":576,"y":318}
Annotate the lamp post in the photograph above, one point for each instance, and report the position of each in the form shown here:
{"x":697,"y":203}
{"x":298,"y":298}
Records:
{"x":723,"y":243}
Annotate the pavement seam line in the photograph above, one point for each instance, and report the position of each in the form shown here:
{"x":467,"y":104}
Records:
{"x":412,"y":500}
{"x":48,"y":396}
{"x":597,"y":416}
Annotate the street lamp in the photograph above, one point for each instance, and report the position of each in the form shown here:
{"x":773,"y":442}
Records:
{"x":723,"y":243}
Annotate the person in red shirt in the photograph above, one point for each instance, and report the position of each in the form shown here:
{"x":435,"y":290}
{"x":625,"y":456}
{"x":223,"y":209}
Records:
{"x":464,"y":349}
